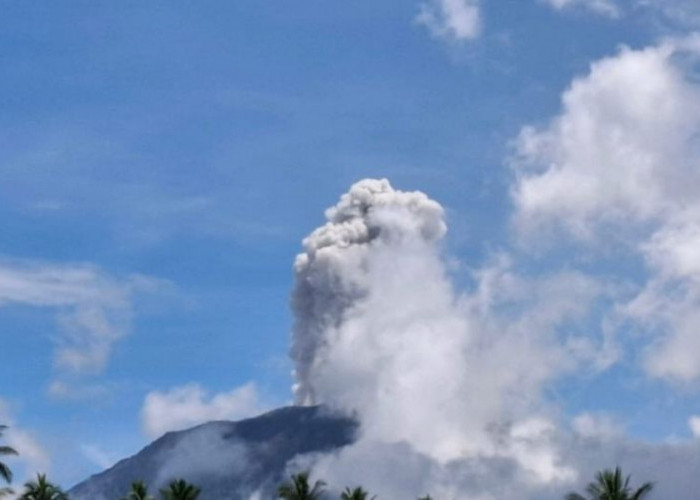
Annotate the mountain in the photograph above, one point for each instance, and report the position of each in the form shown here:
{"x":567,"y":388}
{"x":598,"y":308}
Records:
{"x":228,"y":460}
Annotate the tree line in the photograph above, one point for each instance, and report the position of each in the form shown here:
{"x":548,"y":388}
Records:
{"x":608,"y":485}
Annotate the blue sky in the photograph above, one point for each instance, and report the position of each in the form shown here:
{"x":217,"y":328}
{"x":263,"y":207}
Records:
{"x":160,"y":163}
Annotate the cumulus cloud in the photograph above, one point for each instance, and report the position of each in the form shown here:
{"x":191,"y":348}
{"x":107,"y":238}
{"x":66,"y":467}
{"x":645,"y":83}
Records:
{"x":435,"y":377}
{"x":93,"y":310}
{"x":451,"y":19}
{"x":608,"y":8}
{"x":190,"y":405}
{"x":622,"y":160}
{"x":618,"y":152}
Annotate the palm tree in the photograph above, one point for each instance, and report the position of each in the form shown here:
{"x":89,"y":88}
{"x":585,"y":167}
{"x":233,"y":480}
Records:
{"x":356,"y":494}
{"x":138,"y":491}
{"x":41,"y":489}
{"x":426,"y":497}
{"x":609,"y":485}
{"x":180,"y":490}
{"x":299,"y":488}
{"x":5,"y":471}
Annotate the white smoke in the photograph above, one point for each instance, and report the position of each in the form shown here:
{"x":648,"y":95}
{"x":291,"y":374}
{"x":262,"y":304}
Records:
{"x":332,"y":274}
{"x":434,"y":376}
{"x":202,"y":452}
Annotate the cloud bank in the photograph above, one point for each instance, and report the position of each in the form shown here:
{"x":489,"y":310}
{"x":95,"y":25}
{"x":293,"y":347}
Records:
{"x":620,"y":164}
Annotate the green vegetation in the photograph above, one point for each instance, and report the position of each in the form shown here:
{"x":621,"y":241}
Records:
{"x":138,"y":491}
{"x":609,"y":485}
{"x":180,"y":490}
{"x":356,"y":494}
{"x":300,"y":489}
{"x":5,"y":472}
{"x":42,"y":489}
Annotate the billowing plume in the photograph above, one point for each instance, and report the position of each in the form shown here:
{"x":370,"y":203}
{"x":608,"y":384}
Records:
{"x":380,"y":332}
{"x":449,"y":386}
{"x":377,"y":325}
{"x":333,"y":272}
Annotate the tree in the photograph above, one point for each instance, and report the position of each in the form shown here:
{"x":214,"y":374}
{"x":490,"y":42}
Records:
{"x":138,"y":491}
{"x":609,"y":485}
{"x":5,"y":471}
{"x":356,"y":494}
{"x":180,"y":490}
{"x":426,"y":497}
{"x":42,"y":489}
{"x":299,"y":488}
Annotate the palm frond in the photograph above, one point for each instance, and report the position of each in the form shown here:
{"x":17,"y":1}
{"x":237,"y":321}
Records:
{"x":642,"y":491}
{"x":612,"y":485}
{"x":5,"y":472}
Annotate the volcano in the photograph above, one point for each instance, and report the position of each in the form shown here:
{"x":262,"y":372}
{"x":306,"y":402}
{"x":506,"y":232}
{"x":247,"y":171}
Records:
{"x":227,"y":460}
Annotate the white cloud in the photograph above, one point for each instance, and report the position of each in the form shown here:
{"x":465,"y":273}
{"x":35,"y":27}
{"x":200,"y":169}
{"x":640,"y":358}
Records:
{"x":694,"y":424}
{"x":533,"y":446}
{"x":673,"y":16}
{"x":596,"y":425}
{"x":451,"y":19}
{"x":608,"y":8}
{"x":97,"y":456}
{"x":191,"y":405}
{"x":681,"y":14}
{"x":76,"y":391}
{"x":623,"y":159}
{"x":32,"y":454}
{"x":621,"y":151}
{"x":93,"y":310}
{"x":32,"y":458}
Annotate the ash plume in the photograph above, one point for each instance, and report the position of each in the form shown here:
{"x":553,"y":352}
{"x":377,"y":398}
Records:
{"x":332,"y":272}
{"x":451,"y":380}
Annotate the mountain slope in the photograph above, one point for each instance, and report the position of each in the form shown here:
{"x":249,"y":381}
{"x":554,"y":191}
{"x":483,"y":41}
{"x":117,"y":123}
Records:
{"x":228,"y":460}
